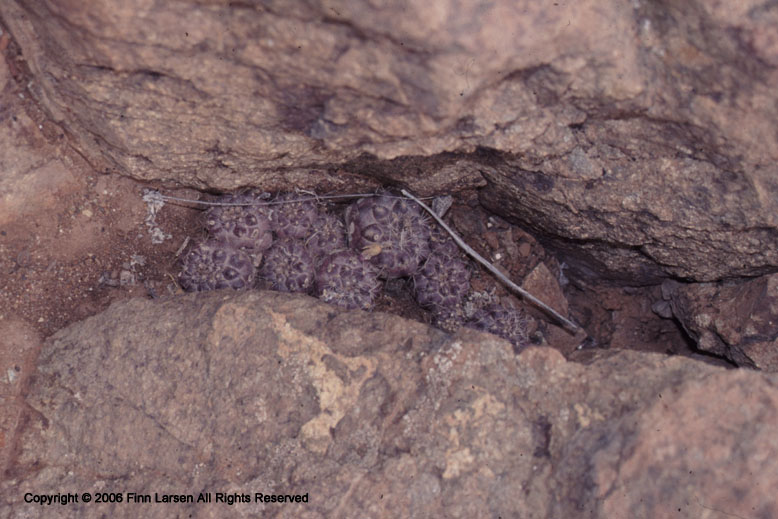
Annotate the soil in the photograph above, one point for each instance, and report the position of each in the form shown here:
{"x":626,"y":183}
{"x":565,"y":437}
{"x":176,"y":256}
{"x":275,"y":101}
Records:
{"x":74,"y":238}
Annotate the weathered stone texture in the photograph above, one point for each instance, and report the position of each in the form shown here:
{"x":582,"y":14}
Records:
{"x":735,"y":320}
{"x":640,"y":140}
{"x":376,"y":416}
{"x":645,"y":132}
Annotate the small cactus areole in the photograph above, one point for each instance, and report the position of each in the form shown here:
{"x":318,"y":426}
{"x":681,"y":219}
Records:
{"x":347,"y":280}
{"x":390,"y":232}
{"x":289,"y":267}
{"x":214,"y":265}
{"x":243,"y":226}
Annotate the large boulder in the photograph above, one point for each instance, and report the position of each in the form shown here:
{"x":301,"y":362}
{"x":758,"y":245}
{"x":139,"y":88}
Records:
{"x":371,"y":415}
{"x":639,"y":138}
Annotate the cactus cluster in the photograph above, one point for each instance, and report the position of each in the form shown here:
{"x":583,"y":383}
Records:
{"x":390,"y":232}
{"x":242,"y":226}
{"x":307,"y":235}
{"x":298,"y":246}
{"x":312,"y":255}
{"x":441,"y":282}
{"x":328,"y":236}
{"x":289,"y":267}
{"x":237,"y":237}
{"x":504,"y":321}
{"x":293,"y":218}
{"x":212,"y":265}
{"x":347,"y":280}
{"x":442,"y":244}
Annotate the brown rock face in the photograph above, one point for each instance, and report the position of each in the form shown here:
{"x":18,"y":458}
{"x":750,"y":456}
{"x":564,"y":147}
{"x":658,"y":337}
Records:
{"x":372,"y":415}
{"x":639,"y":140}
{"x":645,"y":133}
{"x":735,"y":320}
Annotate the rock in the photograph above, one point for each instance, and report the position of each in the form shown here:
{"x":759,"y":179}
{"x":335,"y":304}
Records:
{"x":640,"y":224}
{"x":33,"y":181}
{"x":641,"y":142}
{"x":673,"y":460}
{"x":736,"y":320}
{"x":541,"y":281}
{"x":371,"y":414}
{"x":19,"y":346}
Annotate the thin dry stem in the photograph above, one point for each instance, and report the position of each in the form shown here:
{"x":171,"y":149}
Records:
{"x":315,"y":198}
{"x":480,"y":259}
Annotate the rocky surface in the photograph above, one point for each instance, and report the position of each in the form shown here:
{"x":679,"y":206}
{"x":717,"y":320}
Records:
{"x":373,"y":415}
{"x":640,"y":139}
{"x":637,"y":142}
{"x":736,"y":320}
{"x":19,"y":347}
{"x":71,"y":238}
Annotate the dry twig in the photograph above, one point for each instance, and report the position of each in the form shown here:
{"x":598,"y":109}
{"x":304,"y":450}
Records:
{"x":480,"y":259}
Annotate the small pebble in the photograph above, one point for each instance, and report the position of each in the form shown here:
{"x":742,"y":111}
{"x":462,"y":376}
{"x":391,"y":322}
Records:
{"x":492,"y":240}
